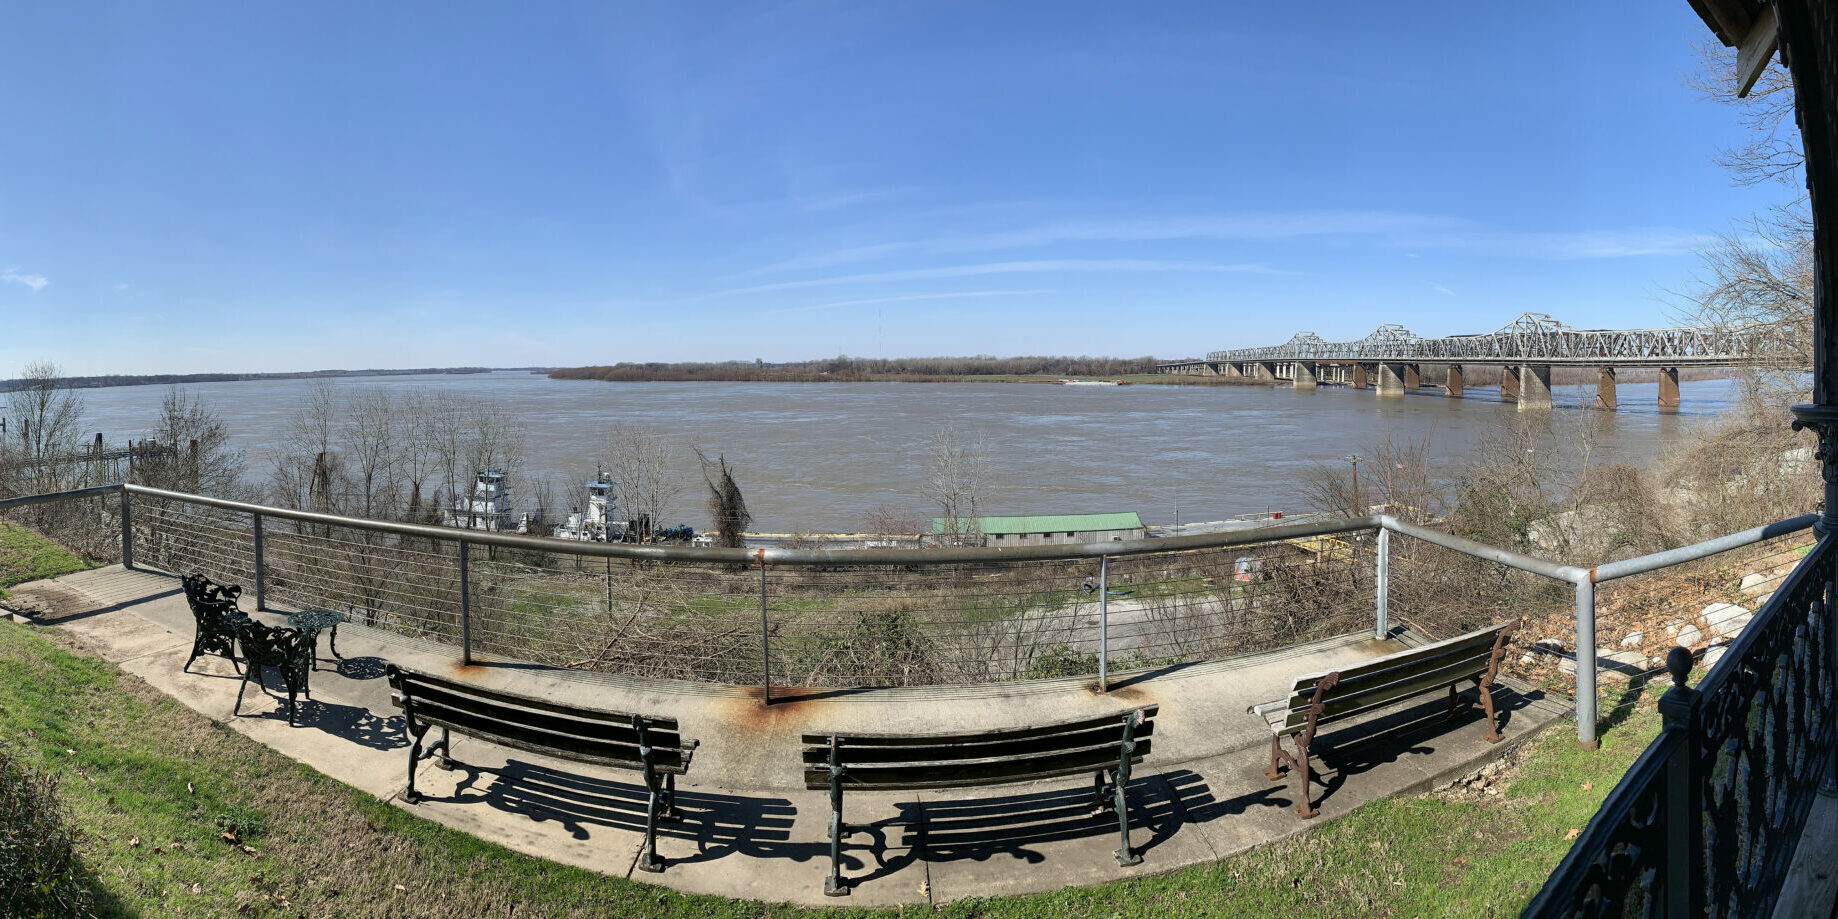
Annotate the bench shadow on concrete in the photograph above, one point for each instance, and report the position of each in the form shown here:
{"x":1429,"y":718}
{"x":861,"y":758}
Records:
{"x":718,"y":824}
{"x":1023,"y":825}
{"x":353,"y":723}
{"x":1420,"y":730}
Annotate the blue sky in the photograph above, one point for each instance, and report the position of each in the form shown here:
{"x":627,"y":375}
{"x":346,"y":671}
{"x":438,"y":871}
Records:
{"x":297,"y":186}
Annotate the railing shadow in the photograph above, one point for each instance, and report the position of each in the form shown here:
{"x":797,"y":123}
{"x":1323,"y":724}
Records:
{"x":718,"y":824}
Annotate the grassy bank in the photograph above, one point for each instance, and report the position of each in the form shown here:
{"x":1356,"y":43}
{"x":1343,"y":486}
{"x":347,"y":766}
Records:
{"x":155,"y":788}
{"x":27,"y":556}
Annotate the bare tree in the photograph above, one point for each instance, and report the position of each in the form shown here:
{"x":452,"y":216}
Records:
{"x":304,"y":465}
{"x":46,"y":418}
{"x":201,"y":458}
{"x":1758,"y":276}
{"x":957,"y":474}
{"x":367,"y":435}
{"x":725,"y":504}
{"x":643,"y":465}
{"x":888,"y":519}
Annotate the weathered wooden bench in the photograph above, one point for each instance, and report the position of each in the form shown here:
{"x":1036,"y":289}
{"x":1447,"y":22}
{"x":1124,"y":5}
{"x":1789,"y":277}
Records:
{"x":1316,"y":699}
{"x":645,"y":743}
{"x":1107,"y":747}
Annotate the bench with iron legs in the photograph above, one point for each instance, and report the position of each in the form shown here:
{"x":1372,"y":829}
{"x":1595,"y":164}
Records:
{"x":1316,"y":699}
{"x":1107,"y":747}
{"x":644,"y":743}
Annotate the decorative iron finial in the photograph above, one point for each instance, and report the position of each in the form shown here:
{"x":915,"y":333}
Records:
{"x":1678,"y":661}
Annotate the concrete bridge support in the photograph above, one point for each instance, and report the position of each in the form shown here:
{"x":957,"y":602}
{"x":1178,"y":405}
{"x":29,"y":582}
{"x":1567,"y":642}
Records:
{"x":1230,"y":370}
{"x":1304,"y":374}
{"x":1509,"y":383}
{"x":1534,"y":386}
{"x":1391,"y":378}
{"x":1361,"y":379}
{"x":1453,"y":388}
{"x":1668,"y":387}
{"x":1413,"y":377}
{"x":1605,"y":389}
{"x":1264,"y":370}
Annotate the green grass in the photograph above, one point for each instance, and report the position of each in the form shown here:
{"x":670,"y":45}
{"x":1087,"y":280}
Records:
{"x":154,"y":785}
{"x":27,"y":556}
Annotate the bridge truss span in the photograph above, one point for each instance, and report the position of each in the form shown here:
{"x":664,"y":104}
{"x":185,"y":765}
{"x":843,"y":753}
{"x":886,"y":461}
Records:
{"x":1532,"y":338}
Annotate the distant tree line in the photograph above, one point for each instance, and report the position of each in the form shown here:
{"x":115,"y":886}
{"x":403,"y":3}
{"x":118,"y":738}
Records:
{"x":858,"y":369}
{"x":119,"y":379}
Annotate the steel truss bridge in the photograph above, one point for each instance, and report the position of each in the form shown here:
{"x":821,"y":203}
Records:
{"x":1532,"y":338}
{"x":1526,"y":350}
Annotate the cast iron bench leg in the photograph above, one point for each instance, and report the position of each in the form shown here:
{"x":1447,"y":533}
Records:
{"x":647,"y":858}
{"x":1125,"y":856}
{"x":835,"y":885}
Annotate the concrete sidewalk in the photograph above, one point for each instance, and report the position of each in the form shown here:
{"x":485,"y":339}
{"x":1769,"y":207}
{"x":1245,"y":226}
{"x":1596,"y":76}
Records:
{"x":750,"y":829}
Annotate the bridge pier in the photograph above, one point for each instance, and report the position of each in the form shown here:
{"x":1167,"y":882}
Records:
{"x":1534,"y":386}
{"x":1391,"y":378}
{"x":1264,"y":370}
{"x":1360,"y":378}
{"x":1668,"y":387}
{"x":1231,"y":370}
{"x":1509,"y":383}
{"x":1453,"y":387}
{"x":1605,"y":389}
{"x":1413,"y":377}
{"x":1305,"y":374}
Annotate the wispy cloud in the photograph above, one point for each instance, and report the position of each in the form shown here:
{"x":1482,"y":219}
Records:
{"x":951,"y":295}
{"x":964,"y":271}
{"x":1247,"y":226}
{"x":1441,"y":289}
{"x":1585,"y":244}
{"x":37,"y":282}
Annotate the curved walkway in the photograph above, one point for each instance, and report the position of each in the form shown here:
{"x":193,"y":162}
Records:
{"x":751,"y":829}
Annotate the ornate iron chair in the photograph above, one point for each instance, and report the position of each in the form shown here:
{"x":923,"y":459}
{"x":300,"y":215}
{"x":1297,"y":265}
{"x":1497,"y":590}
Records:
{"x":289,"y":651}
{"x":213,"y":607}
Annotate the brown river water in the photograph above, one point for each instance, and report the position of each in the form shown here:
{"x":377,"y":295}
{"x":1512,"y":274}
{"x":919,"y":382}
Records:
{"x":815,"y":457}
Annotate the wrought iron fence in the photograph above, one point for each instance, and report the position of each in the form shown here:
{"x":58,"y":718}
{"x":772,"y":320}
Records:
{"x":1706,"y":820}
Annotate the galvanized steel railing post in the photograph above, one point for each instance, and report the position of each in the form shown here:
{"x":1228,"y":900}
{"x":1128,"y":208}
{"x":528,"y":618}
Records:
{"x":261,"y":569}
{"x":765,"y":646}
{"x":1585,"y":665}
{"x":1382,"y":587}
{"x":465,"y":585}
{"x":127,"y":531}
{"x":1104,"y":623}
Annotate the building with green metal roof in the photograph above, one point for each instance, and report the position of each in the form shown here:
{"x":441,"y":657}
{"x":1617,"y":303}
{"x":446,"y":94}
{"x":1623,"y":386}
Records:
{"x":1049,"y":530}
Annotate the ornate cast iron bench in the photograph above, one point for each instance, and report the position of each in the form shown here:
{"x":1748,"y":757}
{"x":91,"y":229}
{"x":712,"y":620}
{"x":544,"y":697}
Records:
{"x":288,"y":651}
{"x":213,"y":607}
{"x":1106,"y":747}
{"x":644,"y":743}
{"x":1322,"y":698}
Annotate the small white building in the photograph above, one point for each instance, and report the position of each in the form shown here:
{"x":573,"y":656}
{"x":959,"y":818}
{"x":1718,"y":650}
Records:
{"x":1052,"y":530}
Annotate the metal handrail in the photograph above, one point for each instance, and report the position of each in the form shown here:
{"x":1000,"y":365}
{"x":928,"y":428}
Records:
{"x":788,"y":557}
{"x":49,"y":497}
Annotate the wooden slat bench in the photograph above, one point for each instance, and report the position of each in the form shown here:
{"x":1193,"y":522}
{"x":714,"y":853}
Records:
{"x":1316,"y":699}
{"x":645,"y":743}
{"x":1107,"y":747}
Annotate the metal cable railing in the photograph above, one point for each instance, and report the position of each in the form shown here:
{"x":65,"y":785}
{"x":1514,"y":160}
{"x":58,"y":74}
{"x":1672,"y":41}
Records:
{"x":901,"y":617}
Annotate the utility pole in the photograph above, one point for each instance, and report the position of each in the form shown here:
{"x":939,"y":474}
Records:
{"x":1354,"y":459}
